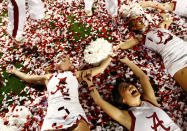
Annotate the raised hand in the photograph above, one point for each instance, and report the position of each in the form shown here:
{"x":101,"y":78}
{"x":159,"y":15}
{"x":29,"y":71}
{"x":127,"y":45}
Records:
{"x":11,"y":69}
{"x":87,"y":76}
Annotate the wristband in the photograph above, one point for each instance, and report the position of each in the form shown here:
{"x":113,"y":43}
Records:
{"x":90,"y":88}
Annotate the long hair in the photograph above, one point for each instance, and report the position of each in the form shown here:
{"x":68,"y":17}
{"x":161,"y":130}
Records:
{"x":117,"y":98}
{"x":131,"y":27}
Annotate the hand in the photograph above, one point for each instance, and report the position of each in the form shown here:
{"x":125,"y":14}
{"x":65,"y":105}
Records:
{"x":87,"y":76}
{"x":11,"y":69}
{"x":123,"y":59}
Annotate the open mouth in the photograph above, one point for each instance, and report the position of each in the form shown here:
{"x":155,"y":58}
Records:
{"x":133,"y":91}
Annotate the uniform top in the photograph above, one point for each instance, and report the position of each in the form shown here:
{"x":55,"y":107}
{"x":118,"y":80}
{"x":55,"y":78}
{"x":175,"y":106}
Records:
{"x":149,"y":117}
{"x":170,"y":47}
{"x":64,"y":109}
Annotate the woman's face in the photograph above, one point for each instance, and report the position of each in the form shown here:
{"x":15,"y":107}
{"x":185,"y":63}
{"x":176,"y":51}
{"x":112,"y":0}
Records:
{"x":130,"y":95}
{"x":65,"y":64}
{"x":138,"y":25}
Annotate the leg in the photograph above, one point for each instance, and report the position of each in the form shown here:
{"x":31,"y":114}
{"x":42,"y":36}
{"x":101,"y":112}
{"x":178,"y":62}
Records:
{"x":36,"y":9}
{"x":82,"y":126}
{"x":16,"y":13}
{"x":181,"y":78}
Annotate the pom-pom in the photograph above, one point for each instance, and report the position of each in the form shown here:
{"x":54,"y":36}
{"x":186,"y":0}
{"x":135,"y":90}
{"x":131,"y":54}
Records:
{"x":97,"y":51}
{"x":134,"y":10}
{"x":19,"y":116}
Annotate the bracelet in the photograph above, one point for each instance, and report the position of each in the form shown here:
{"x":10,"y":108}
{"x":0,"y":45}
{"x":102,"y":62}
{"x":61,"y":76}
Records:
{"x":91,"y":87}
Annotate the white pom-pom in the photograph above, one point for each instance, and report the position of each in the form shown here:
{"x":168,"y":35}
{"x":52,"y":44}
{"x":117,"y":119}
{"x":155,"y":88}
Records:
{"x":19,"y":116}
{"x":97,"y":51}
{"x":134,"y":10}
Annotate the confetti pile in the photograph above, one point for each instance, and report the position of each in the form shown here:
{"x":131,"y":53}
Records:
{"x":68,"y":31}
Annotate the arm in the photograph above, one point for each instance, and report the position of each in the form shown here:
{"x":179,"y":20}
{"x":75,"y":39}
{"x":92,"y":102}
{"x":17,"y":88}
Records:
{"x":95,"y":70}
{"x":144,"y":80}
{"x":166,"y":21}
{"x":121,"y":116}
{"x":157,"y":5}
{"x":130,"y":43}
{"x":37,"y":79}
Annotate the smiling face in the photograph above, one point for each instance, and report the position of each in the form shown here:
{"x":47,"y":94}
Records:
{"x":65,"y":64}
{"x":130,"y":94}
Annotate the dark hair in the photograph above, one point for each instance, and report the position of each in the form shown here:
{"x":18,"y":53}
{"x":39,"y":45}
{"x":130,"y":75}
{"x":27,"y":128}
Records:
{"x":117,"y":98}
{"x":131,"y":25}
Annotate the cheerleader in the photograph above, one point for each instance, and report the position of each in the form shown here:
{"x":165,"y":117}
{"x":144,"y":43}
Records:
{"x":64,"y":110}
{"x":170,"y":47}
{"x":143,"y":114}
{"x":178,"y":7}
{"x":17,"y":15}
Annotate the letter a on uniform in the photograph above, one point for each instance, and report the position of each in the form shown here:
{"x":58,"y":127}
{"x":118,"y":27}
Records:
{"x":159,"y":122}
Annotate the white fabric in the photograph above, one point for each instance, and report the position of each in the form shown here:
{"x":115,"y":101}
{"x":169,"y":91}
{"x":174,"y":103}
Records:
{"x":57,"y":100}
{"x":181,"y":8}
{"x":22,"y":18}
{"x":88,"y":4}
{"x":144,"y":120}
{"x":36,"y":10}
{"x":112,"y":7}
{"x":173,"y":51}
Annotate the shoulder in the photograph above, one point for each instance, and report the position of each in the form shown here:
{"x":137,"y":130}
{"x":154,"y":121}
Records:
{"x":47,"y":76}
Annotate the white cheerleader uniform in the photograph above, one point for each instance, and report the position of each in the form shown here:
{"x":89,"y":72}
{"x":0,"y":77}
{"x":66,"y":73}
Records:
{"x":180,"y":7}
{"x":149,"y":117}
{"x":172,"y":49}
{"x":64,"y":109}
{"x":17,"y":15}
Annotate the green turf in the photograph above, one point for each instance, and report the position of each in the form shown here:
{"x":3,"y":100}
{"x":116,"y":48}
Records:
{"x":16,"y":85}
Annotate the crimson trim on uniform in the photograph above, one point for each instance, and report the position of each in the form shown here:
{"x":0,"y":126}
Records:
{"x":133,"y":120}
{"x":151,"y":103}
{"x":175,"y":3}
{"x":16,"y":17}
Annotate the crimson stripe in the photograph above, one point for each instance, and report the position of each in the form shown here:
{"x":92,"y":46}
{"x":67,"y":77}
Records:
{"x":133,"y":120}
{"x":16,"y":17}
{"x":175,"y":3}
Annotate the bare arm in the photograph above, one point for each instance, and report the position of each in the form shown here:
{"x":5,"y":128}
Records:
{"x":166,"y":21}
{"x":130,"y":43}
{"x":144,"y":80}
{"x":96,"y":70}
{"x":36,"y":79}
{"x":157,"y":5}
{"x":121,"y":116}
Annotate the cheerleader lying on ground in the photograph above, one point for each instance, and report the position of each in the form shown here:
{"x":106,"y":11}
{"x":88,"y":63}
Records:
{"x":64,"y":110}
{"x":178,"y":7}
{"x":143,"y":115}
{"x":170,"y":47}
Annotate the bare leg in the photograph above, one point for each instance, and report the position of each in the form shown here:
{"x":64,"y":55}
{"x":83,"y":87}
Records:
{"x":181,"y":78}
{"x":82,"y":126}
